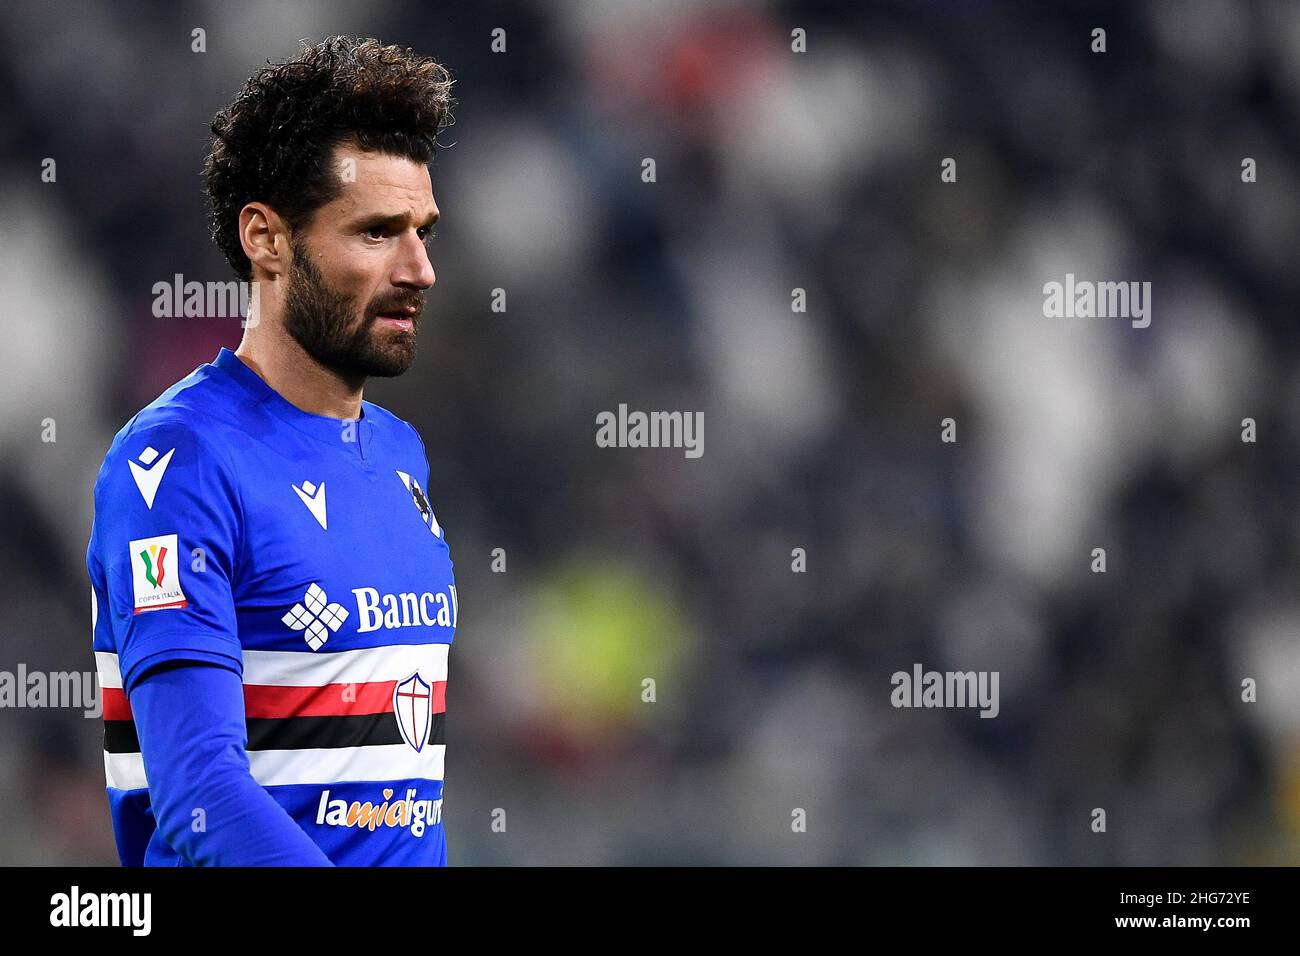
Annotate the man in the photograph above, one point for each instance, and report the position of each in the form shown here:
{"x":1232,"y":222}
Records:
{"x":273,"y":598}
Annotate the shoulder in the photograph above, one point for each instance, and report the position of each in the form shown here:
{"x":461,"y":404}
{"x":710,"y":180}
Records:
{"x":185,"y":427}
{"x":391,"y":428}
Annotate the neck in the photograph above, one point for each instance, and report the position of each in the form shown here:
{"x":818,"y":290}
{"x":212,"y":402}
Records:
{"x":301,"y":380}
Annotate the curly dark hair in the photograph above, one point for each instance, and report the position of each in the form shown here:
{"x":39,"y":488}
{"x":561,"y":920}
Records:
{"x":273,"y":143}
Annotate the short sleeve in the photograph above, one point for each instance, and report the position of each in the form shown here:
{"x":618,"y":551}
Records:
{"x":424,"y":479}
{"x":167,"y":534}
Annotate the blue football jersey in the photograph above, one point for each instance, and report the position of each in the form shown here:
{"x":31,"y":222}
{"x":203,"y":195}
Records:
{"x":232,"y":527}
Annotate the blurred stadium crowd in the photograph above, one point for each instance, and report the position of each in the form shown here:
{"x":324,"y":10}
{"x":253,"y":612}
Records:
{"x":774,"y":170}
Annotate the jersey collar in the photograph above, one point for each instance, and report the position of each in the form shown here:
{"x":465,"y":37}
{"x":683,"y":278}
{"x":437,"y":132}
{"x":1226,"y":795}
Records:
{"x":336,"y":431}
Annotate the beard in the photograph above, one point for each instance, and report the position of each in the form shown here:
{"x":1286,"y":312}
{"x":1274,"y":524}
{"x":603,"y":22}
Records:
{"x":320,"y":318}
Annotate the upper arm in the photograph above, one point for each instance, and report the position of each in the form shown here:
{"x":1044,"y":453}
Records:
{"x":167,"y":538}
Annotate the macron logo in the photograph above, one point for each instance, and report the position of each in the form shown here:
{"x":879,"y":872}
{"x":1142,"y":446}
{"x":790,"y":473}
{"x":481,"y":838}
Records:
{"x":314,"y":498}
{"x":149,"y":475}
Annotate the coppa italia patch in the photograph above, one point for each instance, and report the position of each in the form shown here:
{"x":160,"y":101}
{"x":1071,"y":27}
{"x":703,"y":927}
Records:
{"x":156,"y":573}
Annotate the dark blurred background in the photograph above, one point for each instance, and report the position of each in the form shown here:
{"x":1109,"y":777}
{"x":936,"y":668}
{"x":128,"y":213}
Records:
{"x":776,"y":170}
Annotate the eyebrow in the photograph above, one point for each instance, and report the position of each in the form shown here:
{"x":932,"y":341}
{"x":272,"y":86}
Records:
{"x":392,"y":219}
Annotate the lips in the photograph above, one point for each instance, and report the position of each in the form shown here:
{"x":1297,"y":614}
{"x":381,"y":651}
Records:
{"x":402,"y":317}
{"x":397,"y":322}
